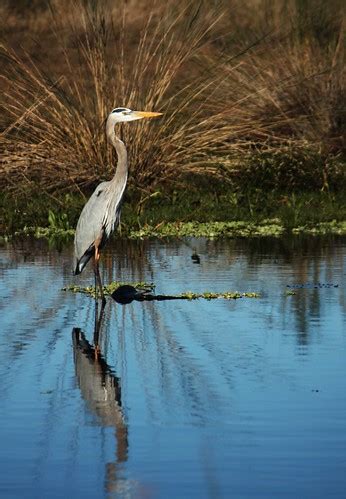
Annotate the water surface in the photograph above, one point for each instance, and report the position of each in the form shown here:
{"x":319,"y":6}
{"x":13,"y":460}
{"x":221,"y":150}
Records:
{"x":204,"y":399}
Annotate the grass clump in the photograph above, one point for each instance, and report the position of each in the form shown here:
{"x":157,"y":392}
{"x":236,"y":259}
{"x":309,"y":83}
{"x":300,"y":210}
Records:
{"x":54,"y":137}
{"x":257,"y":101}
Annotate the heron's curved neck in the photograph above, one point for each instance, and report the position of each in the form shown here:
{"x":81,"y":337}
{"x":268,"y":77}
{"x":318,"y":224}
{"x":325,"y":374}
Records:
{"x":121,"y":171}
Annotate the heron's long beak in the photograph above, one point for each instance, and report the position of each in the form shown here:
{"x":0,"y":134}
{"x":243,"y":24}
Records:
{"x":146,"y":114}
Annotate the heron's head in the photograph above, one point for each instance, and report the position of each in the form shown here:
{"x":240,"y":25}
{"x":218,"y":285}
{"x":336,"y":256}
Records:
{"x":122,"y":114}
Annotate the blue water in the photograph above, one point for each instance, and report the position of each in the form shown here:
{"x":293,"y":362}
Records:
{"x":188,"y":399}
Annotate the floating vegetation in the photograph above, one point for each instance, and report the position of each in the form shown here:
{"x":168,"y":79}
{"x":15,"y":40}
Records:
{"x":110,"y":288}
{"x":322,"y":228}
{"x":291,"y":291}
{"x":313,"y":285}
{"x":58,"y":227}
{"x":210,"y":230}
{"x":49,"y":233}
{"x":228,"y":295}
{"x":146,"y":288}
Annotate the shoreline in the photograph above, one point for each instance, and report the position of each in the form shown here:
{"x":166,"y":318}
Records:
{"x":209,"y":230}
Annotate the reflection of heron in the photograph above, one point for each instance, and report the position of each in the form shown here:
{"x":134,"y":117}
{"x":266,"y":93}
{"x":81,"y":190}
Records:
{"x":101,"y":390}
{"x":101,"y":214}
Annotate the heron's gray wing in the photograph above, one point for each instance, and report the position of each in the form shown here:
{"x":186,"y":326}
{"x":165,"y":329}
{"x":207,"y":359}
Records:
{"x":90,"y":226}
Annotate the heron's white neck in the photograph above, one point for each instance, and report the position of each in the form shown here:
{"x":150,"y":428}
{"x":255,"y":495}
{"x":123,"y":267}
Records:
{"x":122,"y":169}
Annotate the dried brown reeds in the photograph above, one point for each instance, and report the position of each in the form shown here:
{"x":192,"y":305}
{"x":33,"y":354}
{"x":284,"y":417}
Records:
{"x":55,"y":136}
{"x":223,"y":99}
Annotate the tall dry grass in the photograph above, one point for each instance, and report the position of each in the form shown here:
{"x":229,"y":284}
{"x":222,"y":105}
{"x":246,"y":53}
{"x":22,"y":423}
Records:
{"x":231,"y":81}
{"x":55,"y":135}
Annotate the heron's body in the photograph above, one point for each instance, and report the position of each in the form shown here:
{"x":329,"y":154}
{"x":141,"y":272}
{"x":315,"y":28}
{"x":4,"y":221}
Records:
{"x":99,"y":217}
{"x":101,"y":214}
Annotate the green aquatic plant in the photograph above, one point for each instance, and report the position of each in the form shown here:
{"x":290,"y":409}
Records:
{"x":228,"y":295}
{"x":58,"y":221}
{"x":110,"y":288}
{"x":49,"y":232}
{"x":145,"y":286}
{"x":213,"y":230}
{"x":202,"y":204}
{"x":322,"y":228}
{"x":58,"y":228}
{"x":210,"y":230}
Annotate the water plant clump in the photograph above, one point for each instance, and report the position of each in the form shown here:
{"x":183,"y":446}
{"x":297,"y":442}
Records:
{"x":108,"y":289}
{"x":149,"y":287}
{"x":208,"y":295}
{"x":322,"y":228}
{"x":213,"y":230}
{"x":210,"y":230}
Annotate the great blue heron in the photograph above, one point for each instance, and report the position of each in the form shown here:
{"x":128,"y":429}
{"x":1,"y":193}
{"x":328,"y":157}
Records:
{"x":101,"y":214}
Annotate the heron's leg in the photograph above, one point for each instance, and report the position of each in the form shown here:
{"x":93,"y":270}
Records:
{"x":96,"y":283}
{"x":97,"y":274}
{"x":96,"y":323}
{"x":97,"y":328}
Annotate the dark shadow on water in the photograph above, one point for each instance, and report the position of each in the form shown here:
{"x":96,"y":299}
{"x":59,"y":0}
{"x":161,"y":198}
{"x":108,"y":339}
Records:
{"x":101,"y":391}
{"x":127,"y":294}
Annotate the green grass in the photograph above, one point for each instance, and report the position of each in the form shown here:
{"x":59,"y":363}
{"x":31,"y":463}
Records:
{"x":210,"y":211}
{"x":208,"y":205}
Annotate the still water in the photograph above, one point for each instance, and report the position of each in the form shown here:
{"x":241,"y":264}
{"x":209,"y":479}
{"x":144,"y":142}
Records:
{"x":188,"y":399}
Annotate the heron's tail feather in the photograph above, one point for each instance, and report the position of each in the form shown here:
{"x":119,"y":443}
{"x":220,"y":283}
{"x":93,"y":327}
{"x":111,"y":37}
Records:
{"x":81,"y":263}
{"x":77,"y":269}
